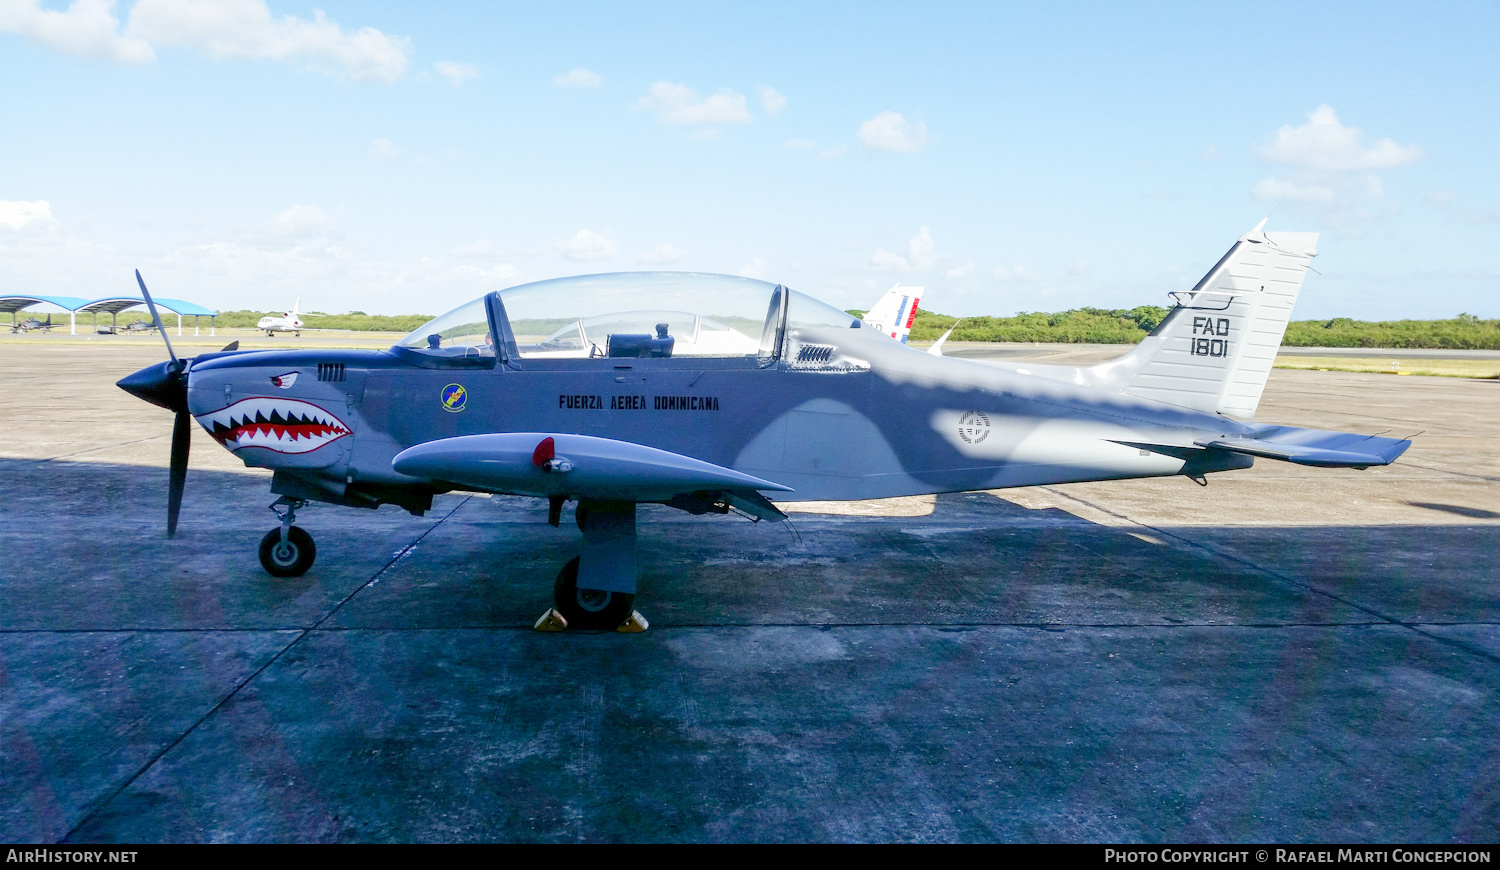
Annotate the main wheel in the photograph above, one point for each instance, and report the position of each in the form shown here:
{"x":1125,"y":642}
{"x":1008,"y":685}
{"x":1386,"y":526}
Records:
{"x":289,"y":558}
{"x":588,"y":608}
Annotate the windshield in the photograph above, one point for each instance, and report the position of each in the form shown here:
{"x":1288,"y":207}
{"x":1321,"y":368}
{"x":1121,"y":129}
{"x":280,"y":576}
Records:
{"x":464,"y":331}
{"x":640,"y":314}
{"x":805,"y":312}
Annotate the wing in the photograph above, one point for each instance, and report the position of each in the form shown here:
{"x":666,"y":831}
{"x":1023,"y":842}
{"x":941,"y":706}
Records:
{"x":579,"y":466}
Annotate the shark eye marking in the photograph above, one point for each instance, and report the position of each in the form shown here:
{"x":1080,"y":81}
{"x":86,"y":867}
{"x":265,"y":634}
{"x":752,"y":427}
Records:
{"x":281,"y":425}
{"x":284,"y":381}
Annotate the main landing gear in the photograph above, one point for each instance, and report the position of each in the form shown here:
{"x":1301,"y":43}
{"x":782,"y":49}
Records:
{"x":287,"y":551}
{"x":596,"y":589}
{"x":588,"y":608}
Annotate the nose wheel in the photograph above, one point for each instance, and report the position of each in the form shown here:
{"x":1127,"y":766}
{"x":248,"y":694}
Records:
{"x":288,"y":551}
{"x":287,"y":558}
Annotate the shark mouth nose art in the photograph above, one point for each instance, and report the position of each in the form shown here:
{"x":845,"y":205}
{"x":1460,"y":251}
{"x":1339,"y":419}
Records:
{"x":282,"y":425}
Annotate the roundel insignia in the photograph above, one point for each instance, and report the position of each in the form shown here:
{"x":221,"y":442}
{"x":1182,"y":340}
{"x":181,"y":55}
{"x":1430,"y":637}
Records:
{"x":453,"y":397}
{"x":973,"y":427}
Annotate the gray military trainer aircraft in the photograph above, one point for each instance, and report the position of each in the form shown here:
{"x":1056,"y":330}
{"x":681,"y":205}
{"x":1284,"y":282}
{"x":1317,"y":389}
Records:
{"x":33,"y":324}
{"x":713,"y":393}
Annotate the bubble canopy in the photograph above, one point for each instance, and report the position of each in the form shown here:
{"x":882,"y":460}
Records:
{"x":663,"y":314}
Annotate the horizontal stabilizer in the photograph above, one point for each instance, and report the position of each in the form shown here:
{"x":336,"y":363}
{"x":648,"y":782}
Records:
{"x":580,"y":466}
{"x":1315,"y":447}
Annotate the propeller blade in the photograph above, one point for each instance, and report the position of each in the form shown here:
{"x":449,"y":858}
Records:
{"x":154,"y":316}
{"x":182,"y":439}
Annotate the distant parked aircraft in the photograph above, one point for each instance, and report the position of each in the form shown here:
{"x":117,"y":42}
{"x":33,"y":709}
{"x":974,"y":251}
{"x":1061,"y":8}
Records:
{"x":291,"y":322}
{"x":31,"y":323}
{"x":895,"y":312}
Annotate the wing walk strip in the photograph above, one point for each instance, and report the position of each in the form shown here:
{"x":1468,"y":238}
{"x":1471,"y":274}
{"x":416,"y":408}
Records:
{"x":1285,"y":578}
{"x":400,"y":554}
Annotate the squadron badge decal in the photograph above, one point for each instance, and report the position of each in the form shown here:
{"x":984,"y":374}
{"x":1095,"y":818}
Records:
{"x":453,"y":397}
{"x":973,"y":427}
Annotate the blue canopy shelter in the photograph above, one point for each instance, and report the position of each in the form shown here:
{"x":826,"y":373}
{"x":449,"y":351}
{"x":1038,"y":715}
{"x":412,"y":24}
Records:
{"x":113,"y":305}
{"x":15,"y":303}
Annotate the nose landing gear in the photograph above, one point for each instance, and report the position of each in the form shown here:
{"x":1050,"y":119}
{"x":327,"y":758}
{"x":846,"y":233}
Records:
{"x":288,"y":551}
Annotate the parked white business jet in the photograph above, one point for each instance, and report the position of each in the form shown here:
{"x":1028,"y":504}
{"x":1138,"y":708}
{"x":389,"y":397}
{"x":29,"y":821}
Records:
{"x":291,"y":322}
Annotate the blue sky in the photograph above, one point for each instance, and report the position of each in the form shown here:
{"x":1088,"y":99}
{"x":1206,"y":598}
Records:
{"x":405,"y":158}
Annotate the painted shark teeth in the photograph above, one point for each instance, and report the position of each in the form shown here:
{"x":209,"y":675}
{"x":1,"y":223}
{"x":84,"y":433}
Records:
{"x":282,"y":425}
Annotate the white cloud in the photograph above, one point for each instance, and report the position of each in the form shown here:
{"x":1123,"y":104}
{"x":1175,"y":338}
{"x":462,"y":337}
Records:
{"x":87,"y":29}
{"x":1324,"y":144}
{"x":890,"y":131}
{"x":588,"y":245}
{"x":1275,"y":189}
{"x":963,"y":271}
{"x":17,"y":213}
{"x":916,"y":256}
{"x":578,"y":78}
{"x":756,"y":268}
{"x":246,"y":28}
{"x":456,"y":73}
{"x":480,"y":248}
{"x":663,"y":255}
{"x":495,"y":275}
{"x":800,"y":144}
{"x":1444,"y":201}
{"x":679,"y":104}
{"x":299,"y":223}
{"x":1331,"y":172}
{"x":771,"y":100}
{"x":834,"y":153}
{"x":1014,"y":273}
{"x":383,"y":149}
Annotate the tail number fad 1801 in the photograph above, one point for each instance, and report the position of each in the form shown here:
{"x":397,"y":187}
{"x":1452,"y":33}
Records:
{"x":1210,"y":326}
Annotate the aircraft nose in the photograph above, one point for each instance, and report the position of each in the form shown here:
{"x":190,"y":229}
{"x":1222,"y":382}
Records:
{"x":162,"y":384}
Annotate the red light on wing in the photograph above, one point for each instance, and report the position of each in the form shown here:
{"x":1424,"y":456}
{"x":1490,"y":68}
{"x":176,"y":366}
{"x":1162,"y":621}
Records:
{"x":544,"y":452}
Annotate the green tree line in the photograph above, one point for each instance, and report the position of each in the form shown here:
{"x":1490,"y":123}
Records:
{"x":1080,"y":325}
{"x":355,"y":320}
{"x":1118,"y":326}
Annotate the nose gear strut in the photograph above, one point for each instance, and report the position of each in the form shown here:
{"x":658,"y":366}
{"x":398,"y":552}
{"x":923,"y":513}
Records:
{"x":287,"y":551}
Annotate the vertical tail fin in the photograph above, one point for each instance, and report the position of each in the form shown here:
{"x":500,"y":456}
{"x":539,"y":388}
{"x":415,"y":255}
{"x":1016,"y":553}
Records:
{"x":895,"y":312}
{"x":1214,"y":350}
